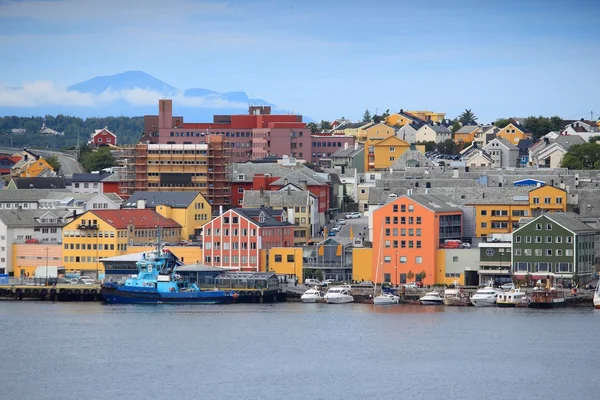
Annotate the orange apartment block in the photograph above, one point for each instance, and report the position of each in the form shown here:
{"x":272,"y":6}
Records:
{"x":406,"y":234}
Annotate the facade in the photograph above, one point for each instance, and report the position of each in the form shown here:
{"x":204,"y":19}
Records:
{"x":407,"y":232}
{"x":234,"y":239}
{"x":101,"y":182}
{"x":558,"y":245}
{"x":503,"y":153}
{"x":285,"y":261}
{"x":191,"y":210}
{"x":460,"y":265}
{"x":28,"y":257}
{"x":300,"y":206}
{"x":513,"y":132}
{"x":325,"y":145}
{"x":428,"y":115}
{"x":550,"y":154}
{"x":99,"y":234}
{"x":408,"y":132}
{"x":177,"y":168}
{"x":433,"y":133}
{"x":350,"y":157}
{"x":314,"y":183}
{"x":466,"y":134}
{"x":103,"y":137}
{"x":27,"y":227}
{"x":383,"y":153}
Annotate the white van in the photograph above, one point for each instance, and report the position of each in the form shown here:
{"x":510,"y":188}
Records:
{"x":312,"y":282}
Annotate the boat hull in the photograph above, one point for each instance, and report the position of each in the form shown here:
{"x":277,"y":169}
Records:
{"x":310,"y":299}
{"x":483,"y":302}
{"x":385,"y":300}
{"x":547,"y":305}
{"x":339,"y":300}
{"x":116,"y":296}
{"x":458,"y":302}
{"x":431,"y":302}
{"x":597,"y":301}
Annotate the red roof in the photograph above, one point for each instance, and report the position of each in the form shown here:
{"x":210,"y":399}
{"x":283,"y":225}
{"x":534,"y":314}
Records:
{"x":140,"y":218}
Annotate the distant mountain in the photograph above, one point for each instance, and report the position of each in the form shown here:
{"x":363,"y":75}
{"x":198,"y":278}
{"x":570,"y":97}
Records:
{"x":131,"y":93}
{"x":128,"y":80}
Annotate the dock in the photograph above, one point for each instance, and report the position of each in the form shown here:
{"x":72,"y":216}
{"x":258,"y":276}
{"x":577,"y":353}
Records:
{"x":60,"y":292}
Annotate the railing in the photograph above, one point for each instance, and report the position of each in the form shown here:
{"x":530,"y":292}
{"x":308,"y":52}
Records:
{"x":87,"y":226}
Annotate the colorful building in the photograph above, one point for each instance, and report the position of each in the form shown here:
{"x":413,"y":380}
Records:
{"x":362,"y":264}
{"x":103,"y":137}
{"x":108,"y":233}
{"x":382,"y":154}
{"x":402,"y":118}
{"x":513,"y":133}
{"x":406,"y":234}
{"x":191,"y":210}
{"x":285,"y":261}
{"x":100,"y":182}
{"x":428,"y":115}
{"x":27,"y":257}
{"x":234,"y":239}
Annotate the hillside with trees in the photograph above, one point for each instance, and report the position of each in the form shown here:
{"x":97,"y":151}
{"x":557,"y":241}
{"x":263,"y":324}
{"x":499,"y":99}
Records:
{"x":127,"y":129}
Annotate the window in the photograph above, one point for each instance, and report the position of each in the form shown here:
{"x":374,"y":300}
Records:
{"x":411,"y":208}
{"x":278,"y":258}
{"x":527,"y":239}
{"x":558,"y":239}
{"x":387,"y":259}
{"x":419,"y":221}
{"x":484,"y":224}
{"x":517,"y":239}
{"x":418,"y":260}
{"x":483,"y":212}
{"x":528,"y":252}
{"x":455,"y":259}
{"x":538,"y":239}
{"x":547,"y":200}
{"x":290,"y":258}
{"x":402,"y":260}
{"x":517,"y":252}
{"x":395,"y":208}
{"x":536,"y":200}
{"x":568,"y":252}
{"x":403,"y":208}
{"x":418,"y":244}
{"x":548,"y":227}
{"x":548,"y":239}
{"x":559,"y":200}
{"x":538,"y":227}
{"x":549,"y":252}
{"x":538,"y":252}
{"x":558,"y":252}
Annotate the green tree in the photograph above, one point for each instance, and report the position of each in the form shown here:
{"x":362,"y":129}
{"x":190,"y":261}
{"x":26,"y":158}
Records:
{"x":501,"y":122}
{"x":582,"y":156}
{"x":410,"y":275}
{"x":467,"y":117}
{"x":456,"y":125}
{"x":539,"y":126}
{"x":325,"y":125}
{"x":421,"y":276}
{"x":386,"y":114}
{"x":319,"y":275}
{"x":97,"y":160}
{"x":54,"y":163}
{"x":366,"y":116}
{"x":377,"y":118}
{"x":313,"y":127}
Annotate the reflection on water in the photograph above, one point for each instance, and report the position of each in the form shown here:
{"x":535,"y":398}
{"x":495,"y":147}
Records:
{"x":297,"y":351}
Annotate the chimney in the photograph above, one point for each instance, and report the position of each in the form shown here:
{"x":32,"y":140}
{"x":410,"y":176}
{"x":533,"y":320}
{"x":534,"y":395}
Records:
{"x":220,"y":210}
{"x":346,"y":146}
{"x":285,"y":182}
{"x":141,"y":204}
{"x":356,"y":146}
{"x":303,"y":184}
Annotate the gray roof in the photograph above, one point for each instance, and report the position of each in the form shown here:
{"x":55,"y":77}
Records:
{"x":55,"y":182}
{"x":285,"y":198}
{"x":467,"y":128}
{"x":570,"y":222}
{"x":27,"y":219}
{"x":438,"y":128}
{"x":411,"y":155}
{"x":249,"y":169}
{"x":89,"y":177}
{"x":347,"y":153}
{"x":505,"y":142}
{"x":436,"y":203}
{"x":296,"y":176}
{"x":253,"y":213}
{"x":153,"y":199}
{"x":28,"y":195}
{"x":566,"y":141}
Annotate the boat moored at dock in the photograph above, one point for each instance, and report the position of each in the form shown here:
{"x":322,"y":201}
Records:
{"x":157,"y":282}
{"x":512,"y":298}
{"x":547,"y":298}
{"x":339,"y":295}
{"x":312,"y":296}
{"x":431,"y":299}
{"x":486,"y":297}
{"x":456,"y":296}
{"x":597,"y":296}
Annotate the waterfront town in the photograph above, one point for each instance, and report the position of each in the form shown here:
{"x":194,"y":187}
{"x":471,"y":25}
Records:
{"x":372,"y":201}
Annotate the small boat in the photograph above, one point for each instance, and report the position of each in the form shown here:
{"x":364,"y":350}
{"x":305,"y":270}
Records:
{"x":339,"y":295}
{"x":157,"y":282}
{"x":512,"y":298}
{"x":547,"y":298}
{"x":486,"y":297}
{"x":311,"y":296}
{"x":456,"y":296}
{"x":431,"y":299}
{"x":597,"y":296}
{"x":386,"y":299}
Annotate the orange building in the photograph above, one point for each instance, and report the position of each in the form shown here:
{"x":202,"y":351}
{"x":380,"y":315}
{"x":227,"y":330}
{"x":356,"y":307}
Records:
{"x":406,"y":234}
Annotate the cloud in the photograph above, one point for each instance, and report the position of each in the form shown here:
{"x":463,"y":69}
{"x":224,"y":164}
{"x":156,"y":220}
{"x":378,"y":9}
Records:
{"x":44,"y":93}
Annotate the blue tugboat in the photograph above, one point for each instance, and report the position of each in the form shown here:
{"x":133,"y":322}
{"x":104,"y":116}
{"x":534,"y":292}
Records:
{"x":157,"y":282}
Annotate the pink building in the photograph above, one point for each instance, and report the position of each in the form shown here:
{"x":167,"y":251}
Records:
{"x":324,"y":145}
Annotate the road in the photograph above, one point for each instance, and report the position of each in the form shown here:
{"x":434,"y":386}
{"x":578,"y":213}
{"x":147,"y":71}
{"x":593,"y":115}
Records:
{"x":359,"y":225}
{"x":69,"y":164}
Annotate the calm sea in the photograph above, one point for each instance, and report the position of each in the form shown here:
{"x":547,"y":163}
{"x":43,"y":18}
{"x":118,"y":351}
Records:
{"x":296,"y":351}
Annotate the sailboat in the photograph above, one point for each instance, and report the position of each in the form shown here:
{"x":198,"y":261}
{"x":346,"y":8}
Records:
{"x":384,"y":298}
{"x":597,"y":296}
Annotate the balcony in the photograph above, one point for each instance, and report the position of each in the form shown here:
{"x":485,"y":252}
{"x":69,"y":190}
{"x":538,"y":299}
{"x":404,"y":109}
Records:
{"x":90,"y":227}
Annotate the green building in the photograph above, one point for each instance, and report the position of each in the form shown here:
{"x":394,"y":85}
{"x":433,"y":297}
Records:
{"x":556,"y":245}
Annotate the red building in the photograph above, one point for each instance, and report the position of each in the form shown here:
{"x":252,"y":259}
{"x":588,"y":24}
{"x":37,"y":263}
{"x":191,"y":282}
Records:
{"x":103,"y":137}
{"x":7,"y":162}
{"x":256,"y":135}
{"x":235,"y":238}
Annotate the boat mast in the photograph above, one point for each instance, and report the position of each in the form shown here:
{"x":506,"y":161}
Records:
{"x":378,"y":264}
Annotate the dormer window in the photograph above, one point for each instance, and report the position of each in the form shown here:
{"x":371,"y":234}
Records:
{"x":261,"y":218}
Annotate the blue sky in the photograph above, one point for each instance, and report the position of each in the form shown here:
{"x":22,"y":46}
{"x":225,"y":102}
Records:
{"x":325,"y":59}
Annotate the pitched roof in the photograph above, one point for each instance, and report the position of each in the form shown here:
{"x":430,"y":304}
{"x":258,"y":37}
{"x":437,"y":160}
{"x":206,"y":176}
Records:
{"x":253,"y":213}
{"x":570,"y":222}
{"x":153,"y":199}
{"x":27,"y":218}
{"x":55,"y":182}
{"x":346,"y":153}
{"x":141,"y":219}
{"x":504,"y":142}
{"x":28,"y":195}
{"x":411,"y":156}
{"x":271,"y":198}
{"x":295,"y":177}
{"x":436,"y":203}
{"x":466,"y":129}
{"x":436,"y":128}
{"x":248,"y":169}
{"x":566,"y":141}
{"x":88,"y":177}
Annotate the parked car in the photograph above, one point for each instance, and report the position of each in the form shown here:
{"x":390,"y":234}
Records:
{"x":336,"y":228}
{"x":508,"y":286}
{"x":332,"y":233}
{"x":86,"y":280}
{"x":341,"y":221}
{"x":413,"y":285}
{"x":353,"y":215}
{"x":32,"y":240}
{"x":312,"y":282}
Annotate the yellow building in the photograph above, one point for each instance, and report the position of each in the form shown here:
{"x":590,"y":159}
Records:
{"x":283,"y":261}
{"x":107,"y":233}
{"x":428,"y":115}
{"x":362,"y":268}
{"x":381,"y":154}
{"x":191,"y":210}
{"x":27,"y":257}
{"x":504,"y":218}
{"x":400,"y":119}
{"x":513,"y":133}
{"x":351,"y":129}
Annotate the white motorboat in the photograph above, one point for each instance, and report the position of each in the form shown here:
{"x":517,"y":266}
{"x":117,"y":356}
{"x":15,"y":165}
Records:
{"x":486,"y":297}
{"x":431,"y":299}
{"x":455,"y":296}
{"x":385,"y":299}
{"x":338,"y":295}
{"x":311,"y":296}
{"x":597,"y":296}
{"x":512,"y":298}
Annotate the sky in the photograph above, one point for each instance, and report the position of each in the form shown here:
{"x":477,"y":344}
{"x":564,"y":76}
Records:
{"x":325,"y":59}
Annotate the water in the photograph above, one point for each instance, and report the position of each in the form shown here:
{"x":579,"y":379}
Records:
{"x":296,"y":351}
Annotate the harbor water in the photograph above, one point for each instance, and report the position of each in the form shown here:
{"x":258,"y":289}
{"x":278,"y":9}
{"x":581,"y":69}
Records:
{"x":296,"y":351}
